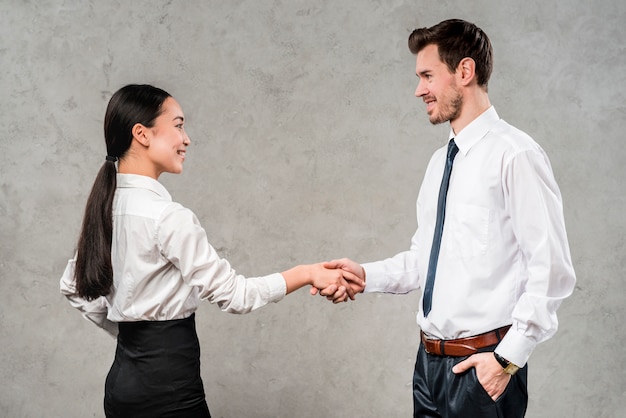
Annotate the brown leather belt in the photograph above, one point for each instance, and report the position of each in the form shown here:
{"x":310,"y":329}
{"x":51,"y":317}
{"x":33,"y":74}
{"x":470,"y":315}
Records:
{"x":463,"y":346}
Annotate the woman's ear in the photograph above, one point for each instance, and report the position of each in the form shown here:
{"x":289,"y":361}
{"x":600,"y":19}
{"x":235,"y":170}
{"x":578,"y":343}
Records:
{"x":141,"y":134}
{"x":466,"y":70}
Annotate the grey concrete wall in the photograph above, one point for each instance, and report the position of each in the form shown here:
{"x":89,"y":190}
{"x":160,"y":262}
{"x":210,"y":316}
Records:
{"x":307,"y":145}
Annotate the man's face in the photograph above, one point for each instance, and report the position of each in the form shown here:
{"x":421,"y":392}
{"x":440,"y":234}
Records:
{"x":437,"y":86}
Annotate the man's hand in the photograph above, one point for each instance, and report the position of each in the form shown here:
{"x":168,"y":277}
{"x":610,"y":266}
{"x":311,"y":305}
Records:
{"x":332,"y":282}
{"x":354,"y":276}
{"x":489,"y":372}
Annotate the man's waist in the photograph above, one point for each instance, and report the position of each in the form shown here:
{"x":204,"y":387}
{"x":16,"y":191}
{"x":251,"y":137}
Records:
{"x":462,"y":347}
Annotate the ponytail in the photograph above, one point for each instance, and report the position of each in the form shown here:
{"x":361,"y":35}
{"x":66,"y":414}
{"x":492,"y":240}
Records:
{"x":132,"y":104}
{"x":93,"y":271}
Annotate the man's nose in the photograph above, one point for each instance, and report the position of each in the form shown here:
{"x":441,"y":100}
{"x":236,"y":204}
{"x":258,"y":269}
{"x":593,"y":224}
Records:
{"x":420,"y":90}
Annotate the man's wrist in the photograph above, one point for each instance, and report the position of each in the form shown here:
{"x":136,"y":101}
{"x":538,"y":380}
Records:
{"x":507,"y":366}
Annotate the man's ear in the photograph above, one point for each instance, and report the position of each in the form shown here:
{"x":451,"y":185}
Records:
{"x":466,"y":71}
{"x":141,"y":134}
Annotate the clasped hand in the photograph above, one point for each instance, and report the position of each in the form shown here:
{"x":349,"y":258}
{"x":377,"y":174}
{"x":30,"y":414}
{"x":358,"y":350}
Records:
{"x":351,"y":282}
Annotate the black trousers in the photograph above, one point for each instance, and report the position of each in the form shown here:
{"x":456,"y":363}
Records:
{"x":439,"y":393}
{"x":156,"y":371}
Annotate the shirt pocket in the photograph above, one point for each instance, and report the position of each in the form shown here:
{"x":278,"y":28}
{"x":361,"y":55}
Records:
{"x":468,"y":229}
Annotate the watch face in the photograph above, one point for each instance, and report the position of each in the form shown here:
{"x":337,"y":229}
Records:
{"x":511,"y":369}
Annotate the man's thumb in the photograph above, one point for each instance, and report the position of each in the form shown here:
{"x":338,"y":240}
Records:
{"x":462,"y":366}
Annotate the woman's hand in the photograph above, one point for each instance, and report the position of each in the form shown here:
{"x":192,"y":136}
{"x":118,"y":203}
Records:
{"x":353,"y":280}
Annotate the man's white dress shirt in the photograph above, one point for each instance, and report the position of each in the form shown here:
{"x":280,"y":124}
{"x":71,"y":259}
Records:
{"x":504,"y":255}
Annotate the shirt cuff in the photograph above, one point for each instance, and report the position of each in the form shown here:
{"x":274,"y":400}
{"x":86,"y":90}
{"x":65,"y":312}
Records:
{"x":516,"y":347}
{"x":276,"y":286}
{"x":374,"y":277}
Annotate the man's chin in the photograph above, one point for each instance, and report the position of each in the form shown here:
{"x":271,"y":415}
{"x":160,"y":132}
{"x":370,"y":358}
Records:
{"x":436,"y":121}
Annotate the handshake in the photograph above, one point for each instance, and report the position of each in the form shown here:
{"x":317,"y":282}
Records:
{"x":337,"y":280}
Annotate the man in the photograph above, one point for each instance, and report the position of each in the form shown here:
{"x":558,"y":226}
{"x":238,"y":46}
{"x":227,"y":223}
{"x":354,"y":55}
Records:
{"x":490,"y":252}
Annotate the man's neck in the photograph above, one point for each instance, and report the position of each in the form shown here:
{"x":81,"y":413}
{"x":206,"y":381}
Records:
{"x":475,"y":102}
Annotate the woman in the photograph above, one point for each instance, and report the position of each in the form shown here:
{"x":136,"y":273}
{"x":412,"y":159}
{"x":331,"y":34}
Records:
{"x":144,"y":263}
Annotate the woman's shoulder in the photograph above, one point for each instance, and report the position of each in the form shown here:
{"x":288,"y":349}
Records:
{"x":143,"y":203}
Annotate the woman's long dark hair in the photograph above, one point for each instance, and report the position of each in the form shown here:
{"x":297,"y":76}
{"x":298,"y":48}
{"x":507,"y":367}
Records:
{"x":130,"y":105}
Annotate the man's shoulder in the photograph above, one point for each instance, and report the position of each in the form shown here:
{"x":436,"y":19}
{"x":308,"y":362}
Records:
{"x":511,"y":138}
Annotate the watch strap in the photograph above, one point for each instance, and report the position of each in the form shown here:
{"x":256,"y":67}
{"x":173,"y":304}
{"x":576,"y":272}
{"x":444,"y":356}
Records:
{"x":503,"y":362}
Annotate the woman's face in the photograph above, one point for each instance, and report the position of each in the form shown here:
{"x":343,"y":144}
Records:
{"x":168,"y":140}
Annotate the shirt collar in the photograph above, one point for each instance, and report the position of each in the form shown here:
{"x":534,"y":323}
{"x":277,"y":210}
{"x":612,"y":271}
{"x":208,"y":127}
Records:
{"x":142,"y":182}
{"x":476,"y":130}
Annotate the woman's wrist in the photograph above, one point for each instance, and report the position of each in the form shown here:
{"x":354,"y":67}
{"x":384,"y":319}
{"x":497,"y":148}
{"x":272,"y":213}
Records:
{"x":298,"y":276}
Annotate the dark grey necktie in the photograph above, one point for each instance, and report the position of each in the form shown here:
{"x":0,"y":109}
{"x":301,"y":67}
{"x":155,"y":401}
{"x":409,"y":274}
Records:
{"x":441,"y":213}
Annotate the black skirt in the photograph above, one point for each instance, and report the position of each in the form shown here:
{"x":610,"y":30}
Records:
{"x":156,"y":371}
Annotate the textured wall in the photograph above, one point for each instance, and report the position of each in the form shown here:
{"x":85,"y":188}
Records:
{"x":307,"y":145}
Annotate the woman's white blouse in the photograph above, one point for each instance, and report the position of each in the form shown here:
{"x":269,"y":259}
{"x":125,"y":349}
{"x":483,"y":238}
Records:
{"x":163,"y":264}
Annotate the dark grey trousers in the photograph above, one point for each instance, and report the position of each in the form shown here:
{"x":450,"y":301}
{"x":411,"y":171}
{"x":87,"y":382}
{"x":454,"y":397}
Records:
{"x":439,"y":393}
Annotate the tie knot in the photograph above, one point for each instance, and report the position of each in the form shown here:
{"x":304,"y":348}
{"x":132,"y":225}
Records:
{"x":452,"y":149}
